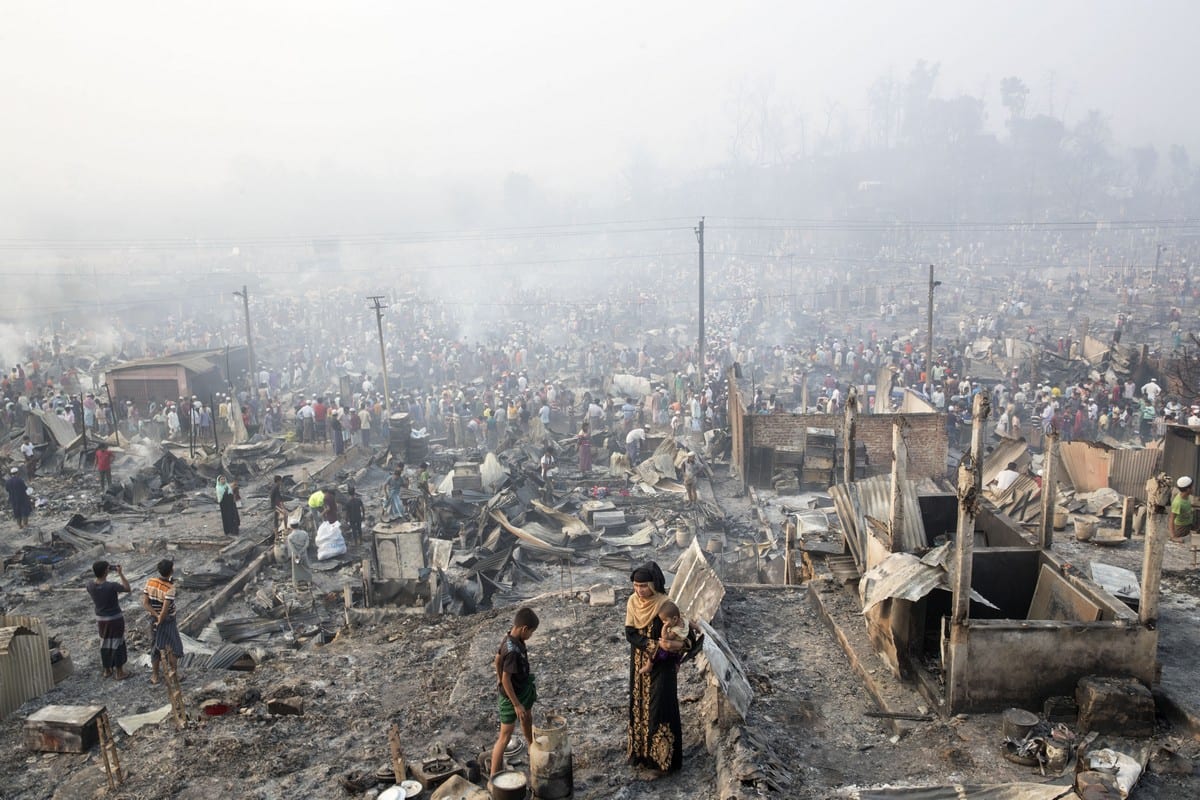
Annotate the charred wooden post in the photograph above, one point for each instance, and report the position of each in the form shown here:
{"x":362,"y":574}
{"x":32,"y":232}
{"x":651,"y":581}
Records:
{"x":899,"y":476}
{"x":848,"y":435}
{"x":1158,"y":501}
{"x":970,"y":480}
{"x":1049,"y":490}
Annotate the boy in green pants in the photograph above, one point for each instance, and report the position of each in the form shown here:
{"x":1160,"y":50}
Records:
{"x":518,"y":692}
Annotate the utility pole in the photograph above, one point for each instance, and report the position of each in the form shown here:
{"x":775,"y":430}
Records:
{"x":387,"y":397}
{"x":700,"y":351}
{"x":245,"y":295}
{"x":929,"y":332}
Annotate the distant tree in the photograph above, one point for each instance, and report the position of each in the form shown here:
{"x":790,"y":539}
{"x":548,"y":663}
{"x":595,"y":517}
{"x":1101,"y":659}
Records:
{"x":1145,"y":164}
{"x":1013,"y":94}
{"x":917,"y":92}
{"x":1091,"y":162}
{"x":1181,"y":168}
{"x":883,"y":107}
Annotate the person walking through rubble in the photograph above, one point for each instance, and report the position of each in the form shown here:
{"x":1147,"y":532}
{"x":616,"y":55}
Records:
{"x":278,"y":509}
{"x":393,"y":499}
{"x":585,"y":448}
{"x":690,"y":472}
{"x":354,"y":515}
{"x":18,"y":497}
{"x":29,"y":452}
{"x":104,"y":459}
{"x":655,"y":732}
{"x":546,"y":471}
{"x":106,"y":596}
{"x":159,"y":600}
{"x":231,"y":520}
{"x":297,"y":546}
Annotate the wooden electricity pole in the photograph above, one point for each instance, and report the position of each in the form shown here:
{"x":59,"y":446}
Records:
{"x":387,"y":397}
{"x":700,"y":348}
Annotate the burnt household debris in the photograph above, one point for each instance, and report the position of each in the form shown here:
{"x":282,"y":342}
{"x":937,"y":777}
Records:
{"x":952,"y":571}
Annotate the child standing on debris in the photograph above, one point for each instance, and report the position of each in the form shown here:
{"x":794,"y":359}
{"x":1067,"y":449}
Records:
{"x":675,"y":628}
{"x":518,"y":691}
{"x":354,"y":515}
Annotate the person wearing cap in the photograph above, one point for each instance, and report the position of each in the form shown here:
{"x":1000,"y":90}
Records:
{"x":297,"y":546}
{"x":1182,"y":518}
{"x":18,"y":497}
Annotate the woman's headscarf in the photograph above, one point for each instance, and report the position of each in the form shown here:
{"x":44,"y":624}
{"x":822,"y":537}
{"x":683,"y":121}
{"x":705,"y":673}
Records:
{"x":222,"y":488}
{"x":641,"y":611}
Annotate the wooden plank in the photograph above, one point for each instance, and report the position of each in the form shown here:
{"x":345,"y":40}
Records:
{"x":195,"y":622}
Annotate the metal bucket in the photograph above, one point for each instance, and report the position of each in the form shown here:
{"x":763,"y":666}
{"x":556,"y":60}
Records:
{"x":1085,"y":528}
{"x":509,"y":785}
{"x":550,"y":760}
{"x":683,"y":536}
{"x":1017,"y":722}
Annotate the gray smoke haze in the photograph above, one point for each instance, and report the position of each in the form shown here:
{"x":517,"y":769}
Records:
{"x":148,"y":119}
{"x":157,"y":157}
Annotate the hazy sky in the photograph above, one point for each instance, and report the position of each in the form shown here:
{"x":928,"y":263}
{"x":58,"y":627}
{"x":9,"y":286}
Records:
{"x":108,"y":103}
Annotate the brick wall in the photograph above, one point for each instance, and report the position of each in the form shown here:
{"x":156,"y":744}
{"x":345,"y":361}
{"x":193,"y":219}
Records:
{"x":925,"y":435}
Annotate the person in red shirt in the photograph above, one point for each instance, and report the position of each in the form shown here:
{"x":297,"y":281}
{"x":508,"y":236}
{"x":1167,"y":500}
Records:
{"x":320,"y":412}
{"x":104,"y":458}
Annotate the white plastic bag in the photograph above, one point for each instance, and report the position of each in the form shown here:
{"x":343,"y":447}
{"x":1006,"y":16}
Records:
{"x":330,"y":541}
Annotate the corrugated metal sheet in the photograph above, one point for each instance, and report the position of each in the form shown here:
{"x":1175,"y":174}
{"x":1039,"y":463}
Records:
{"x":1086,"y":463}
{"x":25,"y":671}
{"x":872,"y":497}
{"x":1130,"y":469}
{"x":903,"y":576}
{"x":696,"y":588}
{"x":1091,"y":466}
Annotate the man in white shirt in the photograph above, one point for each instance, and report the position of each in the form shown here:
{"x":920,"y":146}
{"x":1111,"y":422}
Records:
{"x":1007,"y":477}
{"x":1151,"y":390}
{"x":633,"y":444}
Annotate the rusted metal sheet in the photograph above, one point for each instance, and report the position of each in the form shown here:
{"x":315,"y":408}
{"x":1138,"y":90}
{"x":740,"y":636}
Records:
{"x":25,"y":671}
{"x":903,"y":576}
{"x":1087,"y":464}
{"x":728,"y":671}
{"x":696,"y":589}
{"x":872,"y":498}
{"x":1091,"y":466}
{"x":1130,"y":469}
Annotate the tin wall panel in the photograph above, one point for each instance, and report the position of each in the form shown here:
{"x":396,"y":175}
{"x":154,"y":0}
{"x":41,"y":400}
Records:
{"x":25,"y":671}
